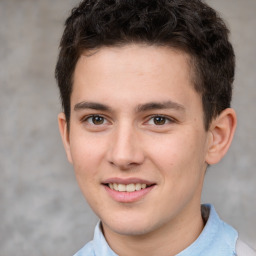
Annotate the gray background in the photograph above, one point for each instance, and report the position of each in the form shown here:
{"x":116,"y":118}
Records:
{"x":42,"y":211}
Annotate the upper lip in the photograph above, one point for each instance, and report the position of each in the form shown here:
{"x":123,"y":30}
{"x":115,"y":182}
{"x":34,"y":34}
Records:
{"x":127,"y":181}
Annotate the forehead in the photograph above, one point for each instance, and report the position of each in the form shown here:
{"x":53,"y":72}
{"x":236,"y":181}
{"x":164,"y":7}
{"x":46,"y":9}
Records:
{"x":152,"y":56}
{"x":139,"y":71}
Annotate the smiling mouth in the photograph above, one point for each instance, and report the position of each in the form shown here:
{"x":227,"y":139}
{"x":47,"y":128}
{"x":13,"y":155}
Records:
{"x":127,"y":188}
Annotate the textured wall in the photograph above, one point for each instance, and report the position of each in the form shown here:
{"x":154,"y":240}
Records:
{"x":42,"y":211}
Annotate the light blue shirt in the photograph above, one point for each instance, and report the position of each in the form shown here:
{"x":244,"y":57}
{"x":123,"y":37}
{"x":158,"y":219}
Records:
{"x":216,"y":239}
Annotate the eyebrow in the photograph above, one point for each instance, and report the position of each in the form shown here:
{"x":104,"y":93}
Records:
{"x":140,"y":108}
{"x":160,"y":105}
{"x":91,"y":105}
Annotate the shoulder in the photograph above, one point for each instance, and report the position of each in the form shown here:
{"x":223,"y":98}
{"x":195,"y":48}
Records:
{"x":242,"y":249}
{"x":87,"y":250}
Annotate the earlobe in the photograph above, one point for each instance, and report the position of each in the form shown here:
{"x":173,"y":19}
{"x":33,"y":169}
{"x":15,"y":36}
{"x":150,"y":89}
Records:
{"x":64,"y":135}
{"x":222,"y":130}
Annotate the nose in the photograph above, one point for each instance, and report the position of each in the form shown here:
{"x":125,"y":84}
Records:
{"x":125,"y":151}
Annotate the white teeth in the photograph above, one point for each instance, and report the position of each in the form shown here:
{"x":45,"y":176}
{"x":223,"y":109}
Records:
{"x":127,"y":188}
{"x":121,"y":187}
{"x":138,"y":186}
{"x":130,"y":187}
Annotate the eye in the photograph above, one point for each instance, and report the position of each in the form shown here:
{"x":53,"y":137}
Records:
{"x":159,"y":120}
{"x":95,"y":120}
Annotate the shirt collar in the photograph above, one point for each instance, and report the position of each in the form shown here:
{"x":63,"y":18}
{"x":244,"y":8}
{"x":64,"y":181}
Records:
{"x":217,"y":237}
{"x":100,"y":244}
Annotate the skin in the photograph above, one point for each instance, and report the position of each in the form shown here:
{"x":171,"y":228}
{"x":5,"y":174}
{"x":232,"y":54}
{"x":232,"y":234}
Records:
{"x":118,"y":85}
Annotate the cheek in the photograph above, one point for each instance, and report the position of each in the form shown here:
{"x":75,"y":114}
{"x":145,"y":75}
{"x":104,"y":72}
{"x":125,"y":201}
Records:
{"x":85,"y":164}
{"x":86,"y":155}
{"x":180,"y":162}
{"x":179,"y":155}
{"x":170,"y":149}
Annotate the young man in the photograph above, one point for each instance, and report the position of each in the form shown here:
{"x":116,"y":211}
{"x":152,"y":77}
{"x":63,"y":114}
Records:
{"x":146,"y":89}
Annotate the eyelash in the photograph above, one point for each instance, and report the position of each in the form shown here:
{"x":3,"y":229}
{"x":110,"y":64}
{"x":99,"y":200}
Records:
{"x":86,"y":119}
{"x":165,"y":120}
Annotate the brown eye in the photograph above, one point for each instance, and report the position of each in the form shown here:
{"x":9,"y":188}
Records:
{"x":159,"y":120}
{"x":95,"y":120}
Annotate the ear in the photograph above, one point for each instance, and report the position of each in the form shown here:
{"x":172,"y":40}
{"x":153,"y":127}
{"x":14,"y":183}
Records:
{"x":221,"y":133}
{"x":64,"y":135}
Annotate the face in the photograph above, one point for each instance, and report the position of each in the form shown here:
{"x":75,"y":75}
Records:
{"x":137,"y":139}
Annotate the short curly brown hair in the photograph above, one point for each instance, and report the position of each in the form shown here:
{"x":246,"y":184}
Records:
{"x":191,"y":26}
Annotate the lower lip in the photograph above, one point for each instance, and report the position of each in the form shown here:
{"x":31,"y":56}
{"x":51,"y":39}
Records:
{"x":128,"y":197}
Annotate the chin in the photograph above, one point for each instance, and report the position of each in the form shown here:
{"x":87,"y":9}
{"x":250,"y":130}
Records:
{"x":131,"y":231}
{"x":130,"y":226}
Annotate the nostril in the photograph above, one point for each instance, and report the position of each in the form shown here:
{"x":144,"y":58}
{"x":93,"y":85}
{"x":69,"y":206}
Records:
{"x":123,"y":165}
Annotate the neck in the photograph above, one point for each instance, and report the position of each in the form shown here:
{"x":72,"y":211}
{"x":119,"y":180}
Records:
{"x":168,"y":240}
